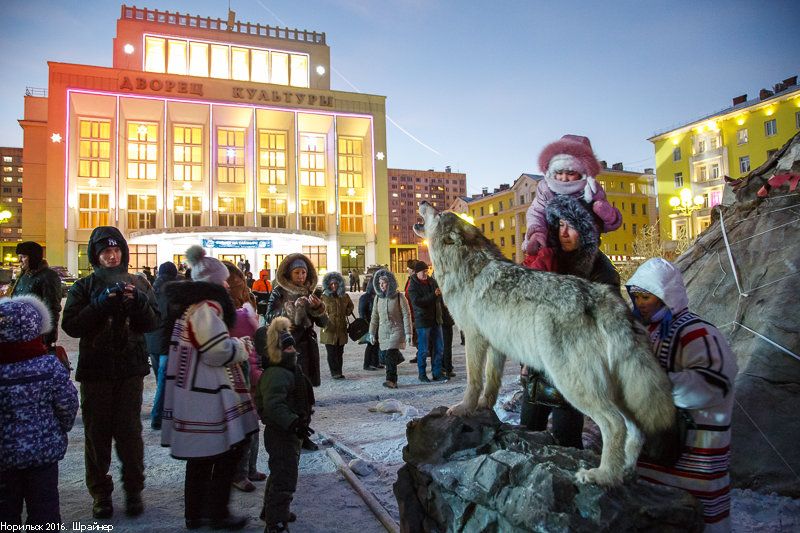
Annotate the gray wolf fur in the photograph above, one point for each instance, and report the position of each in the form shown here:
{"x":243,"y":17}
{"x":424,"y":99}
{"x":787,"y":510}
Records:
{"x":580,"y":333}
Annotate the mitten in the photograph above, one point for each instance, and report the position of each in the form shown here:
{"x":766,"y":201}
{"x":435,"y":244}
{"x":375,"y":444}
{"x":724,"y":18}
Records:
{"x":610,"y":215}
{"x":590,"y":191}
{"x":535,"y":243}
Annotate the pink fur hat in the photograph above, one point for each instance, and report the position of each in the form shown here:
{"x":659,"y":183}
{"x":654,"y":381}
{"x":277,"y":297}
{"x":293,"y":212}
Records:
{"x":570,"y":152}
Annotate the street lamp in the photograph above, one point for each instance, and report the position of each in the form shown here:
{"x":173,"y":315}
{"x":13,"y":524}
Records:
{"x":685,"y":204}
{"x":5,"y":215}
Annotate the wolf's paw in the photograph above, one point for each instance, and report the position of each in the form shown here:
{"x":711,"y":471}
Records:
{"x":460,"y":409}
{"x":598,"y":476}
{"x":485,"y":403}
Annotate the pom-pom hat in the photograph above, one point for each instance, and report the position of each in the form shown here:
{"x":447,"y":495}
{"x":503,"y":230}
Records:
{"x":205,"y":268}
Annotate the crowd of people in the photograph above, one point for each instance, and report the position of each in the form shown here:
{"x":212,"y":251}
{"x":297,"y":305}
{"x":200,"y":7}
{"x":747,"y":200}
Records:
{"x":229,"y":351}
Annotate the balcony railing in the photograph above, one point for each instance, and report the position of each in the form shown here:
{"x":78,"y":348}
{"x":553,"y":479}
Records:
{"x":193,"y":21}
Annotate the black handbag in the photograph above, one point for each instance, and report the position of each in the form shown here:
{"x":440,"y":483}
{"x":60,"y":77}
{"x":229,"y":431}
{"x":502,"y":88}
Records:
{"x":665,"y":448}
{"x":357,"y":328}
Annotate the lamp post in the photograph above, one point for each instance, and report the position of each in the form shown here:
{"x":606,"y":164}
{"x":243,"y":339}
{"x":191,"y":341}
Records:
{"x":685,"y":204}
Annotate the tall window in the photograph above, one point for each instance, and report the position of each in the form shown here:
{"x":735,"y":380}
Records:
{"x":312,"y":160}
{"x":633,"y":208}
{"x":142,"y":255}
{"x":741,"y":136}
{"x":154,"y":54}
{"x":273,"y":213}
{"x":272,"y":157}
{"x":702,"y":173}
{"x":92,"y":210}
{"x":230,"y":155}
{"x":797,"y":120}
{"x":231,"y":210}
{"x":312,"y":215}
{"x":240,"y":64}
{"x":298,"y":73}
{"x":744,"y":164}
{"x":188,"y":210}
{"x":142,"y":150}
{"x":94,"y":151}
{"x":678,"y":180}
{"x":770,"y":128}
{"x":141,"y":211}
{"x":318,"y":256}
{"x":187,"y":153}
{"x":676,"y":154}
{"x":352,"y":217}
{"x":714,"y":171}
{"x":350,"y":163}
{"x":176,"y":54}
{"x":701,"y":147}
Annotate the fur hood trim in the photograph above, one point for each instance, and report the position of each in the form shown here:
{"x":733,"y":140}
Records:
{"x":283,"y":278}
{"x":575,"y":213}
{"x":329,"y":278}
{"x":274,"y":352}
{"x":182,"y":294}
{"x":660,"y":277}
{"x":24,"y":318}
{"x":570,"y":152}
{"x":390,"y":290}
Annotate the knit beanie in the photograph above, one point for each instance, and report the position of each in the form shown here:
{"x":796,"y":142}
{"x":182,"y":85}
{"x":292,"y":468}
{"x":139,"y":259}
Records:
{"x":168,"y":270}
{"x":34,"y":252}
{"x":286,"y":340}
{"x":298,"y":263}
{"x":419,"y":266}
{"x":23,"y":318}
{"x":205,"y":268}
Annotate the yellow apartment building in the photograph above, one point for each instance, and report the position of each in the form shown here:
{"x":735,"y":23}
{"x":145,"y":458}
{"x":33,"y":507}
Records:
{"x":697,"y":155}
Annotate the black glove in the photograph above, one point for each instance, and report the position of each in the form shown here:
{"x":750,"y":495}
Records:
{"x":300,"y":429}
{"x":139,"y":300}
{"x":108,"y":301}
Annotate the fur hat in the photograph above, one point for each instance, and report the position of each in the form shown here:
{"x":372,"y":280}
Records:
{"x":571,"y":152}
{"x":167,"y":269}
{"x":411,"y":263}
{"x":576,"y":214}
{"x":419,"y":266}
{"x":205,"y":268}
{"x":23,"y":318}
{"x":34,"y":252}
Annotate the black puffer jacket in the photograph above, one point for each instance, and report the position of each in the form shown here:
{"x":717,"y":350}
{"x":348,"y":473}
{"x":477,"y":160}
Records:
{"x":427,"y":305}
{"x":112,"y":344}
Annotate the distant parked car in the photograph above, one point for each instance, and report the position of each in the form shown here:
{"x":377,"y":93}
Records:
{"x":67,"y":279}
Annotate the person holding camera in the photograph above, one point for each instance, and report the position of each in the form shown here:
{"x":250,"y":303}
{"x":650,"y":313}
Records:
{"x":110,"y":311}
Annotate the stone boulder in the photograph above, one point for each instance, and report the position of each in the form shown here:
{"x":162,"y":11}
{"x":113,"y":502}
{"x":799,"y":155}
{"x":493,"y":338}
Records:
{"x":477,"y":474}
{"x":759,"y":316}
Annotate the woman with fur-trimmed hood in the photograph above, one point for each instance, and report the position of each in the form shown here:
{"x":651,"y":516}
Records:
{"x":334,"y":335}
{"x":293,"y":297}
{"x":390,"y":325}
{"x":208,"y":414}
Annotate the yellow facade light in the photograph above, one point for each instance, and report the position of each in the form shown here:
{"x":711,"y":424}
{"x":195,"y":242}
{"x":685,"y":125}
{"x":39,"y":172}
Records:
{"x":675,"y":141}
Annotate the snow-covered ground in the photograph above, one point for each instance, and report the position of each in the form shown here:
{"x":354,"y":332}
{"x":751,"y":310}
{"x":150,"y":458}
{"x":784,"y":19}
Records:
{"x":350,"y":417}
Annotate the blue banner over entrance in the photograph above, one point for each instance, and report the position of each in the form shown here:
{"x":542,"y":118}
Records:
{"x":228,"y":243}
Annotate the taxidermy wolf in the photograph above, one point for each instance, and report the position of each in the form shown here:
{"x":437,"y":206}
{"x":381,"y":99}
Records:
{"x":580,"y":333}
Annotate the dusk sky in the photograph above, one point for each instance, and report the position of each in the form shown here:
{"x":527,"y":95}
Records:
{"x":478,"y":86}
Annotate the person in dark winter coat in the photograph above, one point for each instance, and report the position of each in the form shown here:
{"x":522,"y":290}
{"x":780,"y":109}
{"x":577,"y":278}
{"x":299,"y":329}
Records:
{"x":426,"y":301}
{"x":208,"y":414}
{"x":572,"y":248}
{"x":39,"y":403}
{"x":110,"y":311}
{"x":447,"y":342}
{"x":390,"y":325}
{"x":36,"y":278}
{"x":334,"y":335}
{"x":158,"y":340}
{"x":365,"y":303}
{"x":284,"y":401}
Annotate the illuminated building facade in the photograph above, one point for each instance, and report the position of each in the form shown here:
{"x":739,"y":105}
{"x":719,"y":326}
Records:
{"x":731,"y":142}
{"x":211,"y":132}
{"x":10,"y":202}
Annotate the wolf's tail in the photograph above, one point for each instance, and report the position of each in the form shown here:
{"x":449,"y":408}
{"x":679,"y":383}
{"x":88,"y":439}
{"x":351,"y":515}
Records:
{"x":646,"y":389}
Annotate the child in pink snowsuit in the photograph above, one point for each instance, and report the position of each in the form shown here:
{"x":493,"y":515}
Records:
{"x":569,"y":168}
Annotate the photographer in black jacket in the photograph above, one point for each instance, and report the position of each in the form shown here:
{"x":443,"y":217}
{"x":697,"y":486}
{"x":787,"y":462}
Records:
{"x":110,"y":311}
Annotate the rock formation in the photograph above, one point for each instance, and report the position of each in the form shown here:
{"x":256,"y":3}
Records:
{"x":754,"y":303}
{"x":477,"y":474}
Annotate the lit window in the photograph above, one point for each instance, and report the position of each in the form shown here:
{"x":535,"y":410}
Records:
{"x":312,"y":160}
{"x":219,"y":61}
{"x":230,"y":155}
{"x":279,"y":69}
{"x":141,"y":211}
{"x":770,"y":128}
{"x":502,"y":224}
{"x":273,"y":213}
{"x":7,"y":159}
{"x":92,"y":210}
{"x":176,"y":60}
{"x":154,"y":55}
{"x":187,"y":153}
{"x":94,"y":149}
{"x":187,"y":210}
{"x":142,"y":150}
{"x":352,"y":220}
{"x":198,"y":59}
{"x":350,"y":163}
{"x":240,"y":64}
{"x":299,"y":71}
{"x":312,"y":215}
{"x":231,"y":210}
{"x":741,"y":136}
{"x":259,"y":69}
{"x":272,"y":157}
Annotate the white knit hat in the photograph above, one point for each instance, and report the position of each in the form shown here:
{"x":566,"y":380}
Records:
{"x":205,"y":268}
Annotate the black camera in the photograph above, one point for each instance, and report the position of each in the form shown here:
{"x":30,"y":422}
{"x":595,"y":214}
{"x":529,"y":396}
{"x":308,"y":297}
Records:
{"x":118,"y":288}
